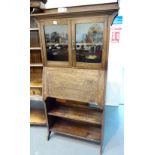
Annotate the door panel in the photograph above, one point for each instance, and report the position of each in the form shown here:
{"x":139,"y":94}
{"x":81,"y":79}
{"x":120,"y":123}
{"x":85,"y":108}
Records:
{"x":88,"y":42}
{"x":56,"y":36}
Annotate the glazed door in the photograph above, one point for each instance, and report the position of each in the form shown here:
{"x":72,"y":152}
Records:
{"x":89,"y":42}
{"x":56,"y":42}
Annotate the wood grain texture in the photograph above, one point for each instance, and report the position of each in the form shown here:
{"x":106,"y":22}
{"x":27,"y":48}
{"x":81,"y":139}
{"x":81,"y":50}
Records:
{"x":76,"y":104}
{"x":78,"y":130}
{"x":33,"y":23}
{"x":75,"y":84}
{"x":34,"y":39}
{"x":35,"y":79}
{"x":105,"y":8}
{"x":35,"y":56}
{"x":77,"y":114}
{"x":37,"y":117}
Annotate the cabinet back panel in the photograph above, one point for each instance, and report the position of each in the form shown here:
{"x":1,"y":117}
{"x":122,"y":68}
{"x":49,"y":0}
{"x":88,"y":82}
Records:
{"x":35,"y":56}
{"x":34,"y":39}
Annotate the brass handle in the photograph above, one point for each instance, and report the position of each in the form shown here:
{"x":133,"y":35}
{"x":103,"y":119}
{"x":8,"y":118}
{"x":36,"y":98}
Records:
{"x":73,"y":45}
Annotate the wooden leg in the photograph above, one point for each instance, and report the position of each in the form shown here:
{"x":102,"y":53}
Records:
{"x":101,"y":148}
{"x":48,"y":136}
{"x":101,"y":151}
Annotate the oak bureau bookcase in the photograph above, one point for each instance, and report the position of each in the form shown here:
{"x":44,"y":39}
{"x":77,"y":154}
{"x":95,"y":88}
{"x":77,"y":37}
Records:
{"x":75,"y":44}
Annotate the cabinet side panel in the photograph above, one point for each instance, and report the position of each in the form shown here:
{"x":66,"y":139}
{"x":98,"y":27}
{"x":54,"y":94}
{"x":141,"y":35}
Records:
{"x":44,"y":84}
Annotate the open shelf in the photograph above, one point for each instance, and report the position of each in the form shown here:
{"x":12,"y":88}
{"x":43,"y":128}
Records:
{"x":37,"y":117}
{"x":77,"y":114}
{"x":36,"y":85}
{"x":36,"y":76}
{"x":34,"y":29}
{"x":34,"y":39}
{"x":36,"y":65}
{"x":33,"y":22}
{"x":35,"y":58}
{"x":36,"y":82}
{"x":36,"y":98}
{"x":36,"y":91}
{"x":35,"y":48}
{"x":78,"y":130}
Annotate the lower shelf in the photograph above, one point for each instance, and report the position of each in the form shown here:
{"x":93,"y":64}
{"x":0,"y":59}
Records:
{"x":78,"y":130}
{"x":36,"y":98}
{"x":37,"y":117}
{"x":36,"y":84}
{"x":83,"y":115}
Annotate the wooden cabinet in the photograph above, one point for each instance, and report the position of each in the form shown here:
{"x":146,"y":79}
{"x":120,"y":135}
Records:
{"x":75,"y":46}
{"x":78,"y":42}
{"x":37,"y":115}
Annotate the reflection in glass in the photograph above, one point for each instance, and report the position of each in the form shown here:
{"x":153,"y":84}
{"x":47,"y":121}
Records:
{"x":56,"y":38}
{"x":89,"y":42}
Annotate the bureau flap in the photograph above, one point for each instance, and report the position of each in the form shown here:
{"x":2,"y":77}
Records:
{"x":74,"y":84}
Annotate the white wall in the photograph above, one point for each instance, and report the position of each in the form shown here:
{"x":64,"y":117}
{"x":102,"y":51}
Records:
{"x":115,"y":92}
{"x":65,"y":3}
{"x":115,"y":81}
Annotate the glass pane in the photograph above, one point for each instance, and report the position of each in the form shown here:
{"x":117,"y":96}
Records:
{"x":34,"y":39}
{"x":89,"y":42}
{"x":56,"y":38}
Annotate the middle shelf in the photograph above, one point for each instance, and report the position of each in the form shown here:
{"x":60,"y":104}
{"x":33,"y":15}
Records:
{"x":82,"y":115}
{"x":37,"y":116}
{"x":36,"y":81}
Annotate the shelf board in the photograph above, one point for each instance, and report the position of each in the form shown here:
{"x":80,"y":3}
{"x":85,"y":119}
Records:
{"x":36,"y":98}
{"x":36,"y":85}
{"x":35,"y":48}
{"x":36,"y":82}
{"x":77,"y":130}
{"x":82,"y":115}
{"x":36,"y":65}
{"x":34,"y":29}
{"x":37,"y":117}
